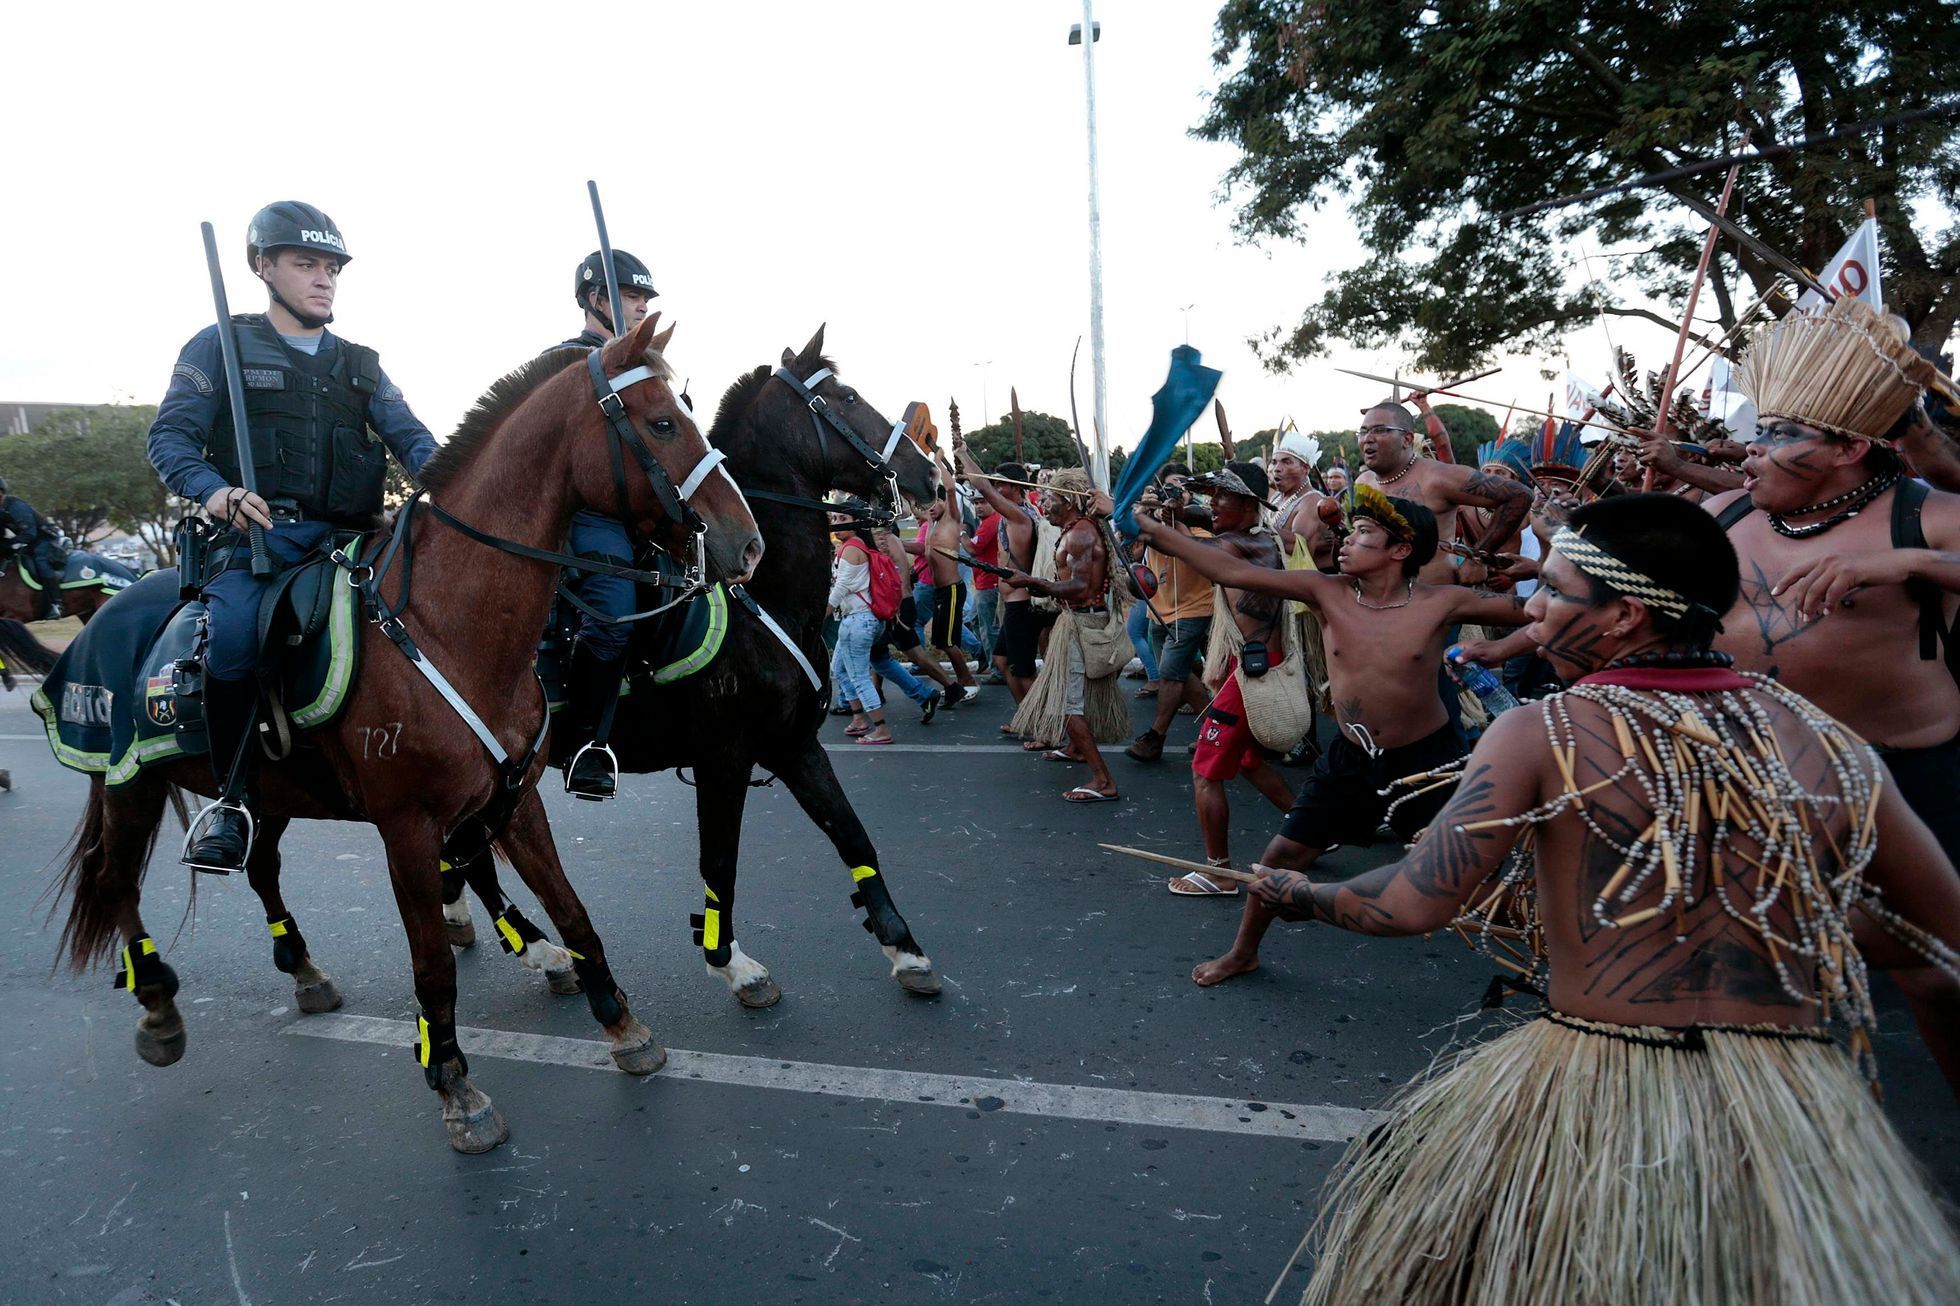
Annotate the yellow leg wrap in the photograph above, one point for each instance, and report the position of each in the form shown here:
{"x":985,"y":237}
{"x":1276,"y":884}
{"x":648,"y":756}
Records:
{"x":422,"y":1040}
{"x":859,"y":874}
{"x":711,"y":928}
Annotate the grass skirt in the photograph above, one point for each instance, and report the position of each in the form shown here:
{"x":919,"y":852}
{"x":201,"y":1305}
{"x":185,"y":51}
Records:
{"x":1564,"y":1162}
{"x":1042,"y":712}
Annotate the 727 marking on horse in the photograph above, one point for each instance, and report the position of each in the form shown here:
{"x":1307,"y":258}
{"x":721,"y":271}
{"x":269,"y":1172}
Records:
{"x":381,"y":740}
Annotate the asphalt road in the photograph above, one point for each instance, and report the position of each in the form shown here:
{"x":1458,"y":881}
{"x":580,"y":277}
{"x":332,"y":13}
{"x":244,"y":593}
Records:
{"x":855,"y":1143}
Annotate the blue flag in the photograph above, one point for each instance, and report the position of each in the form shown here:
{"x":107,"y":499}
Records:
{"x":1185,"y":392}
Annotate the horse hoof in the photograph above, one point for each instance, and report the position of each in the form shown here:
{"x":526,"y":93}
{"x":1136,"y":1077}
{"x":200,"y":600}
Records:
{"x":461,"y":936}
{"x":564,"y":982}
{"x":923,"y":982}
{"x":477,"y":1132}
{"x":763,"y":992}
{"x":316,"y":998}
{"x":160,"y":1047}
{"x":641,"y":1058}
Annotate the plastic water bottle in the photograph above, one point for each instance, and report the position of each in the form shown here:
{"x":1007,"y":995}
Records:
{"x":1482,"y":681}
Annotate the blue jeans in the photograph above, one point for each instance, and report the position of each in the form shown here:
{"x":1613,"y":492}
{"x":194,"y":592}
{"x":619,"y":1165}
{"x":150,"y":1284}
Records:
{"x":922,"y":601}
{"x":850,"y":665}
{"x":233,"y":599}
{"x":612,"y":595}
{"x":1139,"y":629}
{"x":983,"y":614}
{"x":895,"y":673}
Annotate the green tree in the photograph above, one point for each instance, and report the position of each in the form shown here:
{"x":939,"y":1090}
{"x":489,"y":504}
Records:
{"x":1430,"y":117}
{"x":86,"y":468}
{"x":1468,"y":428}
{"x":1046,"y":441}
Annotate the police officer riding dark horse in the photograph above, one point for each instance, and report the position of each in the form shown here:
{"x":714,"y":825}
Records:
{"x":36,"y":545}
{"x":598,"y":661}
{"x":322,"y":417}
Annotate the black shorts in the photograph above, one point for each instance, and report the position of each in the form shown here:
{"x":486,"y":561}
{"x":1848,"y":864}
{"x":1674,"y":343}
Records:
{"x":1928,"y":778}
{"x":1017,"y":640}
{"x":948,"y":616}
{"x":1341,"y":802}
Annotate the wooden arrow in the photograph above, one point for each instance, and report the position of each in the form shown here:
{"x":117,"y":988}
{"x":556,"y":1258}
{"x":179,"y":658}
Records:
{"x":1202,"y":868}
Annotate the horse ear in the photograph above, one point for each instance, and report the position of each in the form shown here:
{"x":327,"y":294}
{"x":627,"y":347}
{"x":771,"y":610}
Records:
{"x":660,"y":341}
{"x":789,"y":356}
{"x":812,"y":350}
{"x":642,"y":338}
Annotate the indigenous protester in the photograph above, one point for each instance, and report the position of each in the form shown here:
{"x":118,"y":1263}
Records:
{"x":1014,"y":654}
{"x":1245,"y":624}
{"x":1387,"y":439}
{"x":1304,"y":540}
{"x":598,"y":661}
{"x":1179,"y":614}
{"x":1677,"y":849}
{"x":24,"y":535}
{"x":1077,"y":696}
{"x":1849,"y":579}
{"x":311,"y":401}
{"x":940,"y":541}
{"x":858,"y":626}
{"x":1385,"y":635}
{"x":1334,"y":480}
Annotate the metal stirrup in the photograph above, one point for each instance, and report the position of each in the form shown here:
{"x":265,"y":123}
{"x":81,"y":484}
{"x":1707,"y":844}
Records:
{"x":190,"y":835}
{"x":572,"y":766}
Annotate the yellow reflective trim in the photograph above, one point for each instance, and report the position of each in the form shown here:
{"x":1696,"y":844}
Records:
{"x":711,"y":929}
{"x":278,"y":928}
{"x":511,"y":936}
{"x":149,"y":946}
{"x":129,"y":972}
{"x":576,"y":956}
{"x":711,"y":894}
{"x":859,"y":874}
{"x":422,"y":1049}
{"x":442,"y":864}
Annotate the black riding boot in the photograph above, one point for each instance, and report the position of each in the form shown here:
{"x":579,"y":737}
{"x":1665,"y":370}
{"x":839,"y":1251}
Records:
{"x":231,"y":710}
{"x":590,"y":693}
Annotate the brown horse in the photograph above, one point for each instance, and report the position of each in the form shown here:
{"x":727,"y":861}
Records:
{"x":535,"y":449}
{"x":20,"y":601}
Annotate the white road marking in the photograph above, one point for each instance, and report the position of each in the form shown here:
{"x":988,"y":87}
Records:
{"x":1222,"y":1115}
{"x":888,"y":748}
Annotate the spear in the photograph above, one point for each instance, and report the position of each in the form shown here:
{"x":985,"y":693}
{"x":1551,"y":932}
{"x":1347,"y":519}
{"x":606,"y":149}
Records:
{"x":1224,"y":429}
{"x":1020,"y":443}
{"x":1203,"y":868}
{"x":1398,"y":382}
{"x":1688,"y":317}
{"x":1075,"y":416}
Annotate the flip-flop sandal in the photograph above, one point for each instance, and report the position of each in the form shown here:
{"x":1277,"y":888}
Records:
{"x":1058,"y":755}
{"x":1084,"y":794}
{"x":1010,"y":732}
{"x":855,"y":731}
{"x":1035,"y":746}
{"x":1196,"y":884}
{"x":867,"y":739}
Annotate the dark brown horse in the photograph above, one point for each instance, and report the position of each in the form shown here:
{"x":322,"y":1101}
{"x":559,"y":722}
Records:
{"x":535,"y":449}
{"x":754,"y":706}
{"x":20,"y":601}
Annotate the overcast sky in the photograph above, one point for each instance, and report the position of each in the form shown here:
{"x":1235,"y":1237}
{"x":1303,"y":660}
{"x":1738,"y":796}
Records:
{"x":913,"y":174}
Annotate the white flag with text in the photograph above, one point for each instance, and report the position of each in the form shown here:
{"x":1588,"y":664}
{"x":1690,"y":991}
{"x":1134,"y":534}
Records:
{"x":1853,"y":273}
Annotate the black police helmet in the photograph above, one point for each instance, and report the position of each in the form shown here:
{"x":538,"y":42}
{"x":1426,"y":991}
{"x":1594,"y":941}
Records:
{"x":287,"y":224}
{"x":632,"y":274}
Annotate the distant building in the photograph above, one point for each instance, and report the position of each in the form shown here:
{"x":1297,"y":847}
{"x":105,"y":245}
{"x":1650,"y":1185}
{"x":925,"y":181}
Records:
{"x":20,"y":418}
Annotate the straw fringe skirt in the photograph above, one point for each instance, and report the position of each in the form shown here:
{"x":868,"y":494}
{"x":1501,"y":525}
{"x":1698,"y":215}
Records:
{"x":1564,"y":1163}
{"x":1042,"y":712}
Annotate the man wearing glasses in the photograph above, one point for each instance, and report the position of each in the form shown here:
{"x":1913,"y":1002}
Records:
{"x":1388,"y":447}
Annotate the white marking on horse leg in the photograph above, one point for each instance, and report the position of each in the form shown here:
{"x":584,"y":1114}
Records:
{"x":457,"y":913}
{"x":741,"y":971}
{"x":544,"y":956}
{"x":906,"y":960}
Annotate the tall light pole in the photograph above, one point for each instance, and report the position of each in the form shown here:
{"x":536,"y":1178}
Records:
{"x":1086,"y":34}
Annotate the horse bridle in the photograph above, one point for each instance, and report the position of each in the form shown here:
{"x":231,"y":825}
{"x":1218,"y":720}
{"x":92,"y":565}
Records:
{"x":821,"y":416}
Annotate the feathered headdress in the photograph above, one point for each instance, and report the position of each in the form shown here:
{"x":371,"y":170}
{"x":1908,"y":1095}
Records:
{"x":1850,"y":369}
{"x":1366,"y":501}
{"x":1514,"y":454}
{"x":1561,"y":455}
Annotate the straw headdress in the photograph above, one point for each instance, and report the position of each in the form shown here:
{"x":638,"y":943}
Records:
{"x":1849,"y":370}
{"x":1071,"y":480}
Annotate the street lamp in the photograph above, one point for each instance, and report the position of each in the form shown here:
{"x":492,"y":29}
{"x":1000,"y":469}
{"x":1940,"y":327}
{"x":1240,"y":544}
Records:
{"x":985,"y":420}
{"x":1094,"y":29}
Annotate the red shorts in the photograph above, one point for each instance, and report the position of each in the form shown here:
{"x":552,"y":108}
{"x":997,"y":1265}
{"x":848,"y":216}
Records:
{"x":1226,"y":745}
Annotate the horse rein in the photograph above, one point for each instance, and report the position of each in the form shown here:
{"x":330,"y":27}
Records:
{"x":821,"y":416}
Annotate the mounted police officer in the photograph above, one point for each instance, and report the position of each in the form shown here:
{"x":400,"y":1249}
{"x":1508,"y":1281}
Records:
{"x":36,"y":544}
{"x":320,"y":411}
{"x":599,"y":650}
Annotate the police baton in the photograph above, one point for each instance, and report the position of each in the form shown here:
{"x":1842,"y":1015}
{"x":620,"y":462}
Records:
{"x":235,"y":386}
{"x":605,"y":256}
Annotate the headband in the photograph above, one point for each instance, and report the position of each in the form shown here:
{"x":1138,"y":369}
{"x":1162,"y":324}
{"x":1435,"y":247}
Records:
{"x":1603,"y":566}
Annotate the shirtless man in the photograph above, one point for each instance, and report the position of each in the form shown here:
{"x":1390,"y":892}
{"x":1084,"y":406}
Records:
{"x":1388,"y":446}
{"x":1385,"y":632}
{"x":1844,"y":618}
{"x":1081,"y":585}
{"x":1296,"y":514}
{"x":1014,"y":654}
{"x":944,"y":535}
{"x":1226,"y":744}
{"x":1703,"y":974}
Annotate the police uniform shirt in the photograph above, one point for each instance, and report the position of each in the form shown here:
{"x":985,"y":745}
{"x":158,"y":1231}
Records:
{"x":190,"y":408}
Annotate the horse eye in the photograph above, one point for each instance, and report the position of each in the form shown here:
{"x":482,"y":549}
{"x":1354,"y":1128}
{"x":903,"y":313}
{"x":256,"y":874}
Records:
{"x":850,"y":396}
{"x":665,"y":426}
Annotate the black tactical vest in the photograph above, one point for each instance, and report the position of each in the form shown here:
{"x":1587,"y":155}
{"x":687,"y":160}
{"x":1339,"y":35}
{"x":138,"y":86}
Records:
{"x":311,"y":445}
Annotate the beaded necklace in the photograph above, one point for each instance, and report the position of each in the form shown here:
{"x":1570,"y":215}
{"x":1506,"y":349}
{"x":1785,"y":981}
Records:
{"x":1390,"y":480}
{"x":1710,"y":760}
{"x":1858,"y":496}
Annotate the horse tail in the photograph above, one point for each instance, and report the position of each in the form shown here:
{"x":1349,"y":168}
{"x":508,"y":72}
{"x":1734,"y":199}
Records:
{"x":24,"y":652}
{"x":94,"y":882}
